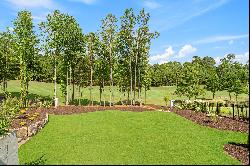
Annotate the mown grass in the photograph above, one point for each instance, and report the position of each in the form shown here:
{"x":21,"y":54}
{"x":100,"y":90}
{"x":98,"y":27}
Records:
{"x":116,"y":137}
{"x":154,"y":96}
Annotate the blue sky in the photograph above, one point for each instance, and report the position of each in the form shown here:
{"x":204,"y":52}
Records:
{"x":187,"y":27}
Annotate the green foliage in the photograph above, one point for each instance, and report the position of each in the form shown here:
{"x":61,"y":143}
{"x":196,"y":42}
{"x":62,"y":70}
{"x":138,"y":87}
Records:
{"x":195,"y":105}
{"x":8,"y":110}
{"x":8,"y":61}
{"x":166,"y":99}
{"x":189,"y":84}
{"x":118,"y":55}
{"x":26,"y":42}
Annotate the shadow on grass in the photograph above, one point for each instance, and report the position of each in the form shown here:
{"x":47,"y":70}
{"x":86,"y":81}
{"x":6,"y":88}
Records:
{"x":87,"y":102}
{"x":39,"y":161}
{"x":239,"y":144}
{"x":31,"y":96}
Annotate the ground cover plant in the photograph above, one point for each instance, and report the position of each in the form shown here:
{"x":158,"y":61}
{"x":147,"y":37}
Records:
{"x":116,"y":137}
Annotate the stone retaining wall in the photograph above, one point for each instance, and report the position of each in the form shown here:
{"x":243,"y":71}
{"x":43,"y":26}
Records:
{"x":8,"y":149}
{"x":24,"y":133}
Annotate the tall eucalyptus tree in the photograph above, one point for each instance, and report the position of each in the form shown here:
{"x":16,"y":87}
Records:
{"x":26,"y":47}
{"x":143,"y":39}
{"x":109,"y":39}
{"x":125,"y":56}
{"x":92,"y":49}
{"x":53,"y":40}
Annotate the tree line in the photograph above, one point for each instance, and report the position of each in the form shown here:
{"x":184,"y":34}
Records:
{"x":116,"y":55}
{"x":202,"y":73}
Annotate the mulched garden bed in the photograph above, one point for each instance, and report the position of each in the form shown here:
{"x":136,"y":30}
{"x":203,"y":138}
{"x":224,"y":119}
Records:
{"x":238,"y":151}
{"x":41,"y":114}
{"x":62,"y":110}
{"x":66,"y":110}
{"x":222,"y":123}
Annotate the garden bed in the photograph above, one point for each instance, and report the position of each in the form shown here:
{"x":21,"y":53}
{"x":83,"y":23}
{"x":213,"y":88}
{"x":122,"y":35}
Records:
{"x":222,"y":123}
{"x":238,"y":151}
{"x":28,"y":124}
{"x":40,"y":113}
{"x":62,"y":110}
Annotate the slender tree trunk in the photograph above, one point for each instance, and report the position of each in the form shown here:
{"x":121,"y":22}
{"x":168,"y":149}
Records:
{"x":70,"y":81}
{"x":91,"y":82}
{"x":100,"y":90}
{"x":79,"y":94}
{"x":111,"y":79}
{"x":73,"y":85}
{"x":145,"y":94}
{"x":111,"y":87}
{"x":55,"y":79}
{"x":131,"y":80}
{"x":139,"y":87}
{"x":67,"y":88}
{"x":135,"y":79}
{"x":127,"y":97}
{"x":103,"y":85}
{"x":213,"y":95}
{"x":4,"y":84}
{"x":230,"y":97}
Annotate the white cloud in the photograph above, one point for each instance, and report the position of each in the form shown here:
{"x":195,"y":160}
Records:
{"x":241,"y":58}
{"x":40,"y":17}
{"x":217,"y":60}
{"x":88,"y":2}
{"x":162,"y":58}
{"x":186,"y":50}
{"x":220,"y":38}
{"x":231,"y":42}
{"x":151,"y":4}
{"x":31,"y":3}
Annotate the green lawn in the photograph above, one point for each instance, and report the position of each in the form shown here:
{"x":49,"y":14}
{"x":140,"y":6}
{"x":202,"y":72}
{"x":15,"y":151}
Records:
{"x":154,"y":96}
{"x":116,"y":137}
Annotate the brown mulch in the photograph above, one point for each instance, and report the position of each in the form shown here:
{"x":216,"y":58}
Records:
{"x":238,"y":151}
{"x":71,"y":109}
{"x":222,"y":123}
{"x":65,"y":110}
{"x":29,"y":113}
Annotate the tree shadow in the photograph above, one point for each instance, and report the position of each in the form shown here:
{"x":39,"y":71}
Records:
{"x":39,"y":161}
{"x":87,"y":102}
{"x":31,"y":96}
{"x":239,"y":144}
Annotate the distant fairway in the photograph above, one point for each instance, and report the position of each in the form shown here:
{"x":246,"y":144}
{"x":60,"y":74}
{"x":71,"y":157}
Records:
{"x":154,"y":95}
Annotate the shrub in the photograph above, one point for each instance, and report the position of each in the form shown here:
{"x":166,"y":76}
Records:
{"x":166,"y":99}
{"x":213,"y":116}
{"x":8,"y":110}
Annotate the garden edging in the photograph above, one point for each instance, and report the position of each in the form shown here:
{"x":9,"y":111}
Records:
{"x":24,"y":133}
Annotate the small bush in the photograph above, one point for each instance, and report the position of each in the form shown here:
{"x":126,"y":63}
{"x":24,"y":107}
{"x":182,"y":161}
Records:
{"x":8,"y":110}
{"x":166,"y":99}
